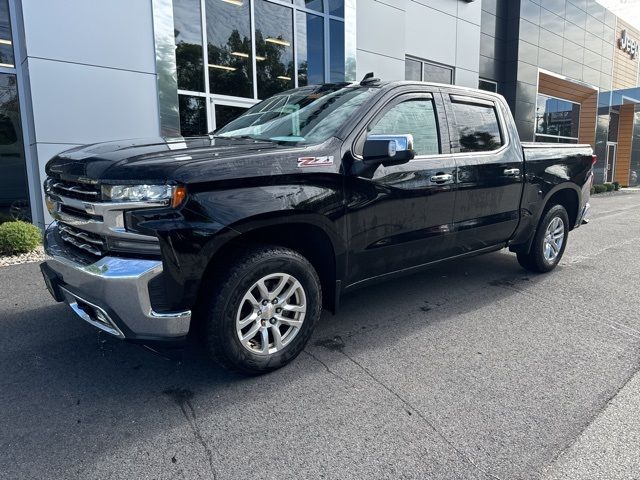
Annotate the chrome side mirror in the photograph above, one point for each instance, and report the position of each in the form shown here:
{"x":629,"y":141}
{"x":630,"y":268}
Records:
{"x":388,"y":149}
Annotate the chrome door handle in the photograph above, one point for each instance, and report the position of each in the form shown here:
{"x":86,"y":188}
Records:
{"x":442,"y":177}
{"x":512,"y":172}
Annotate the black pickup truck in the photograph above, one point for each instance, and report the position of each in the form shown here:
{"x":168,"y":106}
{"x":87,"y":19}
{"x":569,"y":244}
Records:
{"x":244,"y":235}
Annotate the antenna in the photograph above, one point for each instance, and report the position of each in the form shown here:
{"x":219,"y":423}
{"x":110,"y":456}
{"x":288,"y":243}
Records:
{"x":369,"y":78}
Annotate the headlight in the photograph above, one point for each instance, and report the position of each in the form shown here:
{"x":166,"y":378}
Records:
{"x":144,"y":193}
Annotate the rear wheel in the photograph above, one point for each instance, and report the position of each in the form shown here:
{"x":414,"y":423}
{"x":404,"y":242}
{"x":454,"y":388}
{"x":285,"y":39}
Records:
{"x":262,"y":310}
{"x":549,"y":242}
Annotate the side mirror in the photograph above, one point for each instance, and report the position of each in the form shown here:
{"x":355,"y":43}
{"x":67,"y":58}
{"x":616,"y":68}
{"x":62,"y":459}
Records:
{"x":388,"y":150}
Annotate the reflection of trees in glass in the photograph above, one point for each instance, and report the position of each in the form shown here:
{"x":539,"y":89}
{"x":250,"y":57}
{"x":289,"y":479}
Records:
{"x":189,"y":66}
{"x":471,"y":141}
{"x":193,"y":120}
{"x":274,"y":71}
{"x":236,"y":77}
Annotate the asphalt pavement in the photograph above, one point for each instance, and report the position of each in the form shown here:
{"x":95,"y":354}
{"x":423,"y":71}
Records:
{"x":475,"y":369}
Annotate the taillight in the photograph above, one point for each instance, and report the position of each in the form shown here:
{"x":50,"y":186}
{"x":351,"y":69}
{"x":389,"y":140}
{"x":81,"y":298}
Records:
{"x":594,"y":159}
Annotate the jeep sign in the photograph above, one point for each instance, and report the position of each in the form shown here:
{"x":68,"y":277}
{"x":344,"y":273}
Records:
{"x":628,"y":44}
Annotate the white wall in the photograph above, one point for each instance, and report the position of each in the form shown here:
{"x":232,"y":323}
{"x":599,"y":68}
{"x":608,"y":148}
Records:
{"x":90,"y":69}
{"x":442,"y":31}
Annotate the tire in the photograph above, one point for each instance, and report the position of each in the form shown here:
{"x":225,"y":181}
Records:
{"x":233,"y":300}
{"x":545,"y":253}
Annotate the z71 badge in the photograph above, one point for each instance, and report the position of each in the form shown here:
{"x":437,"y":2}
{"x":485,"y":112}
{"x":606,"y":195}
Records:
{"x":315,"y":161}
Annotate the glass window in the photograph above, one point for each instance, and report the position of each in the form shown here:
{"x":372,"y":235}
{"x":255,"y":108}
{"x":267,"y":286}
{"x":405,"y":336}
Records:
{"x":412,"y":69}
{"x":229,"y":47}
{"x":310,"y":115}
{"x":310,"y":4}
{"x":614,"y":123}
{"x":274,"y":48}
{"x":487,"y":85}
{"x":421,"y":70}
{"x":310,"y":45}
{"x":193,"y":115}
{"x":437,"y":73}
{"x":478,"y":127}
{"x":336,"y":39}
{"x":227,"y":113}
{"x":336,"y":8}
{"x":415,"y":117}
{"x":188,"y":36}
{"x":6,"y":40}
{"x":556,"y":117}
{"x":14,"y":190}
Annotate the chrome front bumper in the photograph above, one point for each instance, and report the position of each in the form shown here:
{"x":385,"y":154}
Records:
{"x":111,"y":293}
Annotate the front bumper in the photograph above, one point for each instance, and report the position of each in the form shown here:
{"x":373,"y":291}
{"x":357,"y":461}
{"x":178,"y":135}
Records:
{"x":111,"y":293}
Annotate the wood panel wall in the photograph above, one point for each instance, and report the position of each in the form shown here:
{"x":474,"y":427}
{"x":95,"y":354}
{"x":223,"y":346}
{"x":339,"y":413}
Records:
{"x":585,"y":96}
{"x":625,"y":140}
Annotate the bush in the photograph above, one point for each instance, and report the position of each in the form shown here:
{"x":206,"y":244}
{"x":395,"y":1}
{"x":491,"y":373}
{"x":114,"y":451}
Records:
{"x":19,"y":237}
{"x":599,"y":188}
{"x":616,"y":186}
{"x":609,"y":186}
{"x":593,"y":189}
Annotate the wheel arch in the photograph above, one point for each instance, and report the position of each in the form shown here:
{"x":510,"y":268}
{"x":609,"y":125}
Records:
{"x":312,"y":237}
{"x":566,"y":194}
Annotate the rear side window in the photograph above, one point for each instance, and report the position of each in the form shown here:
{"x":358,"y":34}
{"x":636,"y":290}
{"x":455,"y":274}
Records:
{"x":415,"y":117}
{"x":478,"y":127}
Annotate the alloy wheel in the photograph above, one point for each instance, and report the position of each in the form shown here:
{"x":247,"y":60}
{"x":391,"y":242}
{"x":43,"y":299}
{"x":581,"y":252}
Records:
{"x":553,"y":239}
{"x":271,"y":314}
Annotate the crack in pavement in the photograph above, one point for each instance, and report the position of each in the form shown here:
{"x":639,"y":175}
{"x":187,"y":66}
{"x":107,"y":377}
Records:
{"x":331,"y":372}
{"x":182,"y":397}
{"x":338,"y":346}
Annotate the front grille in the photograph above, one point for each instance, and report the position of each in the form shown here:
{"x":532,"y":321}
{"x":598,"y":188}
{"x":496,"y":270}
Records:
{"x":89,"y":242}
{"x":81,"y":191}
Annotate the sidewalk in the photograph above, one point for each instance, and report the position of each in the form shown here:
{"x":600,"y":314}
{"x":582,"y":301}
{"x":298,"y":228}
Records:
{"x":609,"y":448}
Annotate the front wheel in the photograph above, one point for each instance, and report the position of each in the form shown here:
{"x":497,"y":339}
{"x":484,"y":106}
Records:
{"x":262,"y":310}
{"x":549,"y":242}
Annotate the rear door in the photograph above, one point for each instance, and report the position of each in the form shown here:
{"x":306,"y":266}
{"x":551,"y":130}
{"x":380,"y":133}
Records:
{"x":400,"y":216}
{"x":490,"y":172}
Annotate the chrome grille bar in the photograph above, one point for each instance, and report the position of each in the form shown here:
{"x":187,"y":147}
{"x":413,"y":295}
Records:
{"x":82,"y":240}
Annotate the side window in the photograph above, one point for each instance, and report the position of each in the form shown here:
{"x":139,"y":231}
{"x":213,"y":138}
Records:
{"x":478,"y":127}
{"x":416,"y":117}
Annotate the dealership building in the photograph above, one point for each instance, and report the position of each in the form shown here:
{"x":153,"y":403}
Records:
{"x":74,"y":72}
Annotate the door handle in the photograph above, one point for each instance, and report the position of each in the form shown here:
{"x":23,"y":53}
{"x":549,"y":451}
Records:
{"x":441,"y":178}
{"x":512,"y":172}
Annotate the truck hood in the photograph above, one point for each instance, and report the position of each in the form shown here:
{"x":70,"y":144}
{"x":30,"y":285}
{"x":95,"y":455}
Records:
{"x":159,"y":159}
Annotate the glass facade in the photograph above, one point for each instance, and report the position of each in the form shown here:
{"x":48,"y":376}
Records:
{"x":14,"y":189}
{"x":6,"y":39}
{"x":253,"y":50}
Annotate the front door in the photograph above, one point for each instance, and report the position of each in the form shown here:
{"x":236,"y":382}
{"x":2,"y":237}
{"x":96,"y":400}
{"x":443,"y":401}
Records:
{"x":612,"y":150}
{"x":400,"y":216}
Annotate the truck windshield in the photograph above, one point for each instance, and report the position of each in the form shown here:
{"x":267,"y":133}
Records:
{"x":307,"y":115}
